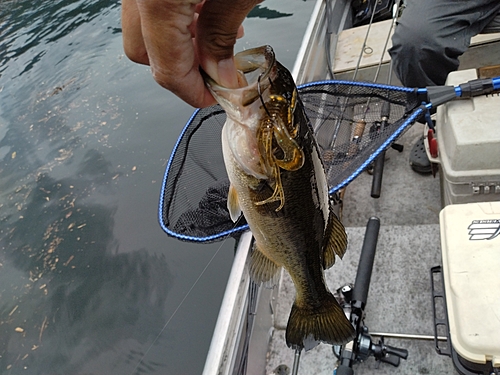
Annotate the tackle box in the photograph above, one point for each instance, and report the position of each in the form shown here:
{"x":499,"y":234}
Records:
{"x":470,"y":244}
{"x":468,"y":137}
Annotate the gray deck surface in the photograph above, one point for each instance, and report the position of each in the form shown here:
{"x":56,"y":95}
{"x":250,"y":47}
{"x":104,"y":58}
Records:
{"x":399,"y":300}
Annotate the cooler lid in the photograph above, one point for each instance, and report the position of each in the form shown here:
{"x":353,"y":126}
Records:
{"x":468,"y":134}
{"x":470,"y":242}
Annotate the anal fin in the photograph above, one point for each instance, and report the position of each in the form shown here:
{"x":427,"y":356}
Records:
{"x":335,"y":241}
{"x":262,"y":269}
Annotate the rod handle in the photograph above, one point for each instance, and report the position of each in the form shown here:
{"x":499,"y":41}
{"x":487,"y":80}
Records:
{"x":378,"y":171}
{"x":366,"y":259}
{"x":344,"y":370}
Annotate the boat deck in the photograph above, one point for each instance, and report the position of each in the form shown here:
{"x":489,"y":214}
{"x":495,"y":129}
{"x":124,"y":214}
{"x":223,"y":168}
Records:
{"x":399,"y":300}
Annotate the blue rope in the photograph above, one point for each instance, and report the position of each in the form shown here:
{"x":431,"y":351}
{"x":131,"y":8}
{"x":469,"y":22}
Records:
{"x":356,"y":84}
{"x":344,"y":183}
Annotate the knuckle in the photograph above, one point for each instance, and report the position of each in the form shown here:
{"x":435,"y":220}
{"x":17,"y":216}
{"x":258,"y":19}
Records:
{"x":221,"y":44}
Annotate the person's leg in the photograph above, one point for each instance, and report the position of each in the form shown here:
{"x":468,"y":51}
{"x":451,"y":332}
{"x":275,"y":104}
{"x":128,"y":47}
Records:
{"x":429,"y":38}
{"x":493,"y":26}
{"x":432,"y":34}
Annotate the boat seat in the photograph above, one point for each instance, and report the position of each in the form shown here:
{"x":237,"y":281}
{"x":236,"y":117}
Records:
{"x":351,"y":40}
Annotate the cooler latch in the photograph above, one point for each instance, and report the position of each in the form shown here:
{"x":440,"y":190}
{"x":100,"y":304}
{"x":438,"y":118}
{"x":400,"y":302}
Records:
{"x":485,"y":188}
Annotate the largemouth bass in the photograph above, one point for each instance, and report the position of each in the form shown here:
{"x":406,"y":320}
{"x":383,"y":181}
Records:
{"x":279,"y":184}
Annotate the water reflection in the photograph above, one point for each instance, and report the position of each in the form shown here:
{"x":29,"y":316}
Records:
{"x":88,"y":280}
{"x":70,"y":300}
{"x":24,"y":25}
{"x":75,"y":295}
{"x":264,"y":12}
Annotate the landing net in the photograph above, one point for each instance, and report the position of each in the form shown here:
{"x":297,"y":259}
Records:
{"x":354,"y":122}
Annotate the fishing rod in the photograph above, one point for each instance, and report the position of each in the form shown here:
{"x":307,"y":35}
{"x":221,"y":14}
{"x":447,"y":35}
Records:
{"x":385,"y":111}
{"x":296,"y":360}
{"x":328,"y":40}
{"x":359,"y":127}
{"x":360,"y":124}
{"x":377,"y":127}
{"x":358,"y":295}
{"x":355,"y":299}
{"x":395,"y":11}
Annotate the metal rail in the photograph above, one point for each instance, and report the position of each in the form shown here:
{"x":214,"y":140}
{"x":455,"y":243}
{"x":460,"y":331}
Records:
{"x":407,"y":336}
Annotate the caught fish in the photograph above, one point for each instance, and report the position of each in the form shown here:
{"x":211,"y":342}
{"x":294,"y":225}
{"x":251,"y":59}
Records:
{"x":279,"y":184}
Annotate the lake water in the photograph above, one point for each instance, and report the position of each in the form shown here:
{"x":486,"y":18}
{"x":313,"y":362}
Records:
{"x":89,"y":282}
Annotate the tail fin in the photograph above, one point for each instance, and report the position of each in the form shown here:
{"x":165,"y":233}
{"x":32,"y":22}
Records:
{"x":308,"y":326}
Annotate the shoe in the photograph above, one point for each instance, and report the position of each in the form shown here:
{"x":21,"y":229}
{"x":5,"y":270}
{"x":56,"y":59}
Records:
{"x":419,"y":161}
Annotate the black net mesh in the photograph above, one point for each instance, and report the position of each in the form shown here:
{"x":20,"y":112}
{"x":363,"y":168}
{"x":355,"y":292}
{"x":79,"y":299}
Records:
{"x":348,"y":121}
{"x":354,"y":122}
{"x":195,"y":187}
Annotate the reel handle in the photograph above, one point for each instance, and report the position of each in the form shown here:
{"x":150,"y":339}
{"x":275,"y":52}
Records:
{"x":388,"y":354}
{"x":390,"y":359}
{"x":398,"y":352}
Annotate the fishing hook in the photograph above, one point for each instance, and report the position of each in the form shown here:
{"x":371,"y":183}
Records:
{"x":260,"y":95}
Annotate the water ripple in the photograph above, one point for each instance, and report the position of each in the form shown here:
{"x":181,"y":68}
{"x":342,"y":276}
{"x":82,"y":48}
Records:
{"x":27,"y":26}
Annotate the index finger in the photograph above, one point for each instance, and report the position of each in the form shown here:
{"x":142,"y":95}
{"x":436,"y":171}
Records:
{"x":133,"y":42}
{"x":216,"y":36}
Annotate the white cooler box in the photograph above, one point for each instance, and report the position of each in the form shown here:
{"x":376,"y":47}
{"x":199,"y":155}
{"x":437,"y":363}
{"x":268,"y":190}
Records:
{"x":470,"y":242}
{"x":468,"y":136}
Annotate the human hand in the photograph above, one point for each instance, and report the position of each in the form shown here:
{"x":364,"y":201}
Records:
{"x":177,"y":37}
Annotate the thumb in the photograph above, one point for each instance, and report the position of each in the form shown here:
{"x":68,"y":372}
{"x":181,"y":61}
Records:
{"x":218,"y":27}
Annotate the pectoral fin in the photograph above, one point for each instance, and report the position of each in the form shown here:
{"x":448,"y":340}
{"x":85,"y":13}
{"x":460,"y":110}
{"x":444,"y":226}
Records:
{"x":262,"y":269}
{"x":335,"y":241}
{"x":233,"y":205}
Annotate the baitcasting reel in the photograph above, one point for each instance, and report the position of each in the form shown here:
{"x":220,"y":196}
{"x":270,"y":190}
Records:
{"x":363,"y":346}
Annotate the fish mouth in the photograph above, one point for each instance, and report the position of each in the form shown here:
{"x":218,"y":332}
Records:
{"x":255,"y":66}
{"x":243,"y":107}
{"x":261,"y":132}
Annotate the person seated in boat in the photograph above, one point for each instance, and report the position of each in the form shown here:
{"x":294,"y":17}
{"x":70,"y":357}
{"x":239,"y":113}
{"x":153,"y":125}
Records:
{"x":430,"y":37}
{"x":177,"y":37}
